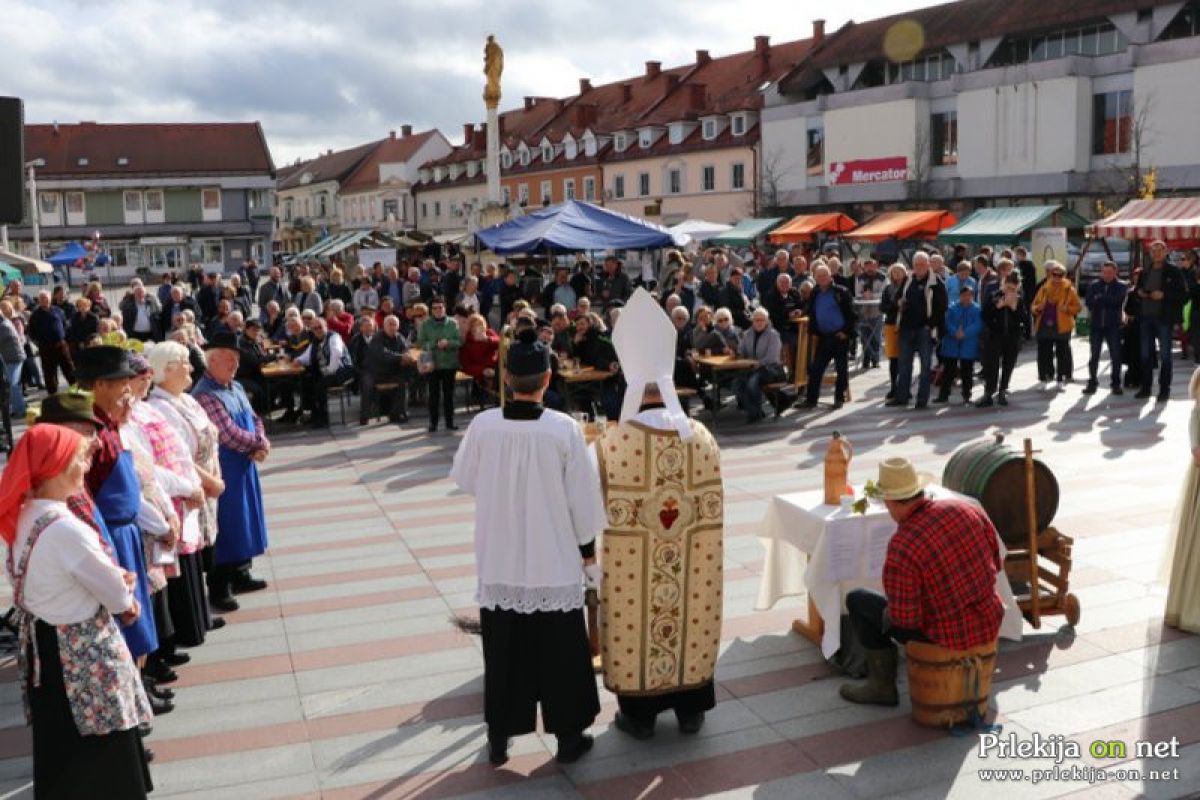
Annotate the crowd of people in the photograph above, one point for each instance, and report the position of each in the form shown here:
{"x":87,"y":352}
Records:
{"x":132,"y":512}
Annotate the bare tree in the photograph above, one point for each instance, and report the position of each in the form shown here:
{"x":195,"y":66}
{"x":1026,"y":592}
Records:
{"x":771,"y":174}
{"x":1138,"y":179}
{"x":920,"y":169}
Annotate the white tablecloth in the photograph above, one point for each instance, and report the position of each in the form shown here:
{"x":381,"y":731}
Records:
{"x":825,"y":551}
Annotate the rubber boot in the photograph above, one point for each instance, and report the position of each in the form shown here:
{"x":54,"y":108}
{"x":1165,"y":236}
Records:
{"x":880,"y":688}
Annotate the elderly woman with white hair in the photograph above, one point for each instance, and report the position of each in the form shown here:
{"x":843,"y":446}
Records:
{"x":760,"y":342}
{"x":197,"y":436}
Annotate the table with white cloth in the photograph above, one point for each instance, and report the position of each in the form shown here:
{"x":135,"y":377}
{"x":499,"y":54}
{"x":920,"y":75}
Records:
{"x":826,"y":552}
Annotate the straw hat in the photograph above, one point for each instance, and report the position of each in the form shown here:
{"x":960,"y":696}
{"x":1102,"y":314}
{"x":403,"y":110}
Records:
{"x":899,"y":479}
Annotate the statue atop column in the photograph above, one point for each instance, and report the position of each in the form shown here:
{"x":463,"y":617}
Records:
{"x":493,"y":66}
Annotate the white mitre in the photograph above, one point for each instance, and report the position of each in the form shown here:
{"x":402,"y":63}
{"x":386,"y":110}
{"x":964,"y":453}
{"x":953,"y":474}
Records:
{"x":644,"y":339}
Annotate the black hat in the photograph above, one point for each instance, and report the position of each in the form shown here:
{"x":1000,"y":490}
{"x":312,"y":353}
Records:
{"x":222,"y":340}
{"x":69,"y":407}
{"x":253,"y":322}
{"x":528,"y":356}
{"x":103,"y":362}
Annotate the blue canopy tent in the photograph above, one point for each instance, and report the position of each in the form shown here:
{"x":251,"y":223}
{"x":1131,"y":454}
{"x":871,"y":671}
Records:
{"x":574,"y":227}
{"x":73,"y":252}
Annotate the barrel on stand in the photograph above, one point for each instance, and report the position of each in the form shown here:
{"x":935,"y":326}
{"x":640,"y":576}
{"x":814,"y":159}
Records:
{"x":994,"y":474}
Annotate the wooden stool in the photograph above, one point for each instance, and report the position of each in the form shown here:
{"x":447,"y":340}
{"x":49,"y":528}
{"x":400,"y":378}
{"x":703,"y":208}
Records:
{"x":946,"y":684}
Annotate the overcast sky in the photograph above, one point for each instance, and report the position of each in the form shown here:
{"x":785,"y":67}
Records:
{"x":333,"y":74}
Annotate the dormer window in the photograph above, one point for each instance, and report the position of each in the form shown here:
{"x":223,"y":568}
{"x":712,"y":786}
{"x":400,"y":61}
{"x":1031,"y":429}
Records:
{"x":620,"y":142}
{"x":506,"y":160}
{"x":645,"y":137}
{"x":738,"y":123}
{"x":589,"y":145}
{"x":453,"y":171}
{"x":570,"y":148}
{"x":524,"y":156}
{"x":547,"y":153}
{"x":437,"y":173}
{"x":710,"y":129}
{"x":675,"y":133}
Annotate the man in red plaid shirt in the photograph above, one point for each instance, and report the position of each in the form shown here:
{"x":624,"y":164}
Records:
{"x":940,"y":580}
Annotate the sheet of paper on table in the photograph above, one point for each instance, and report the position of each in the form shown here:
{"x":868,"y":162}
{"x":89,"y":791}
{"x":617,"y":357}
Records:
{"x":845,"y":549}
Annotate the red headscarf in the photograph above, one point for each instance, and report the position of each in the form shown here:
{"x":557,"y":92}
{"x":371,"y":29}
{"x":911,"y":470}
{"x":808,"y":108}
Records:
{"x":43,"y":452}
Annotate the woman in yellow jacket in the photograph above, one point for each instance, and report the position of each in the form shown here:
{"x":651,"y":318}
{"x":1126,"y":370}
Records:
{"x":1054,"y":310}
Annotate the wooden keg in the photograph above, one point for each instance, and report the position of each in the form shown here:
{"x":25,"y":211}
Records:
{"x":944,"y":684}
{"x":994,"y":474}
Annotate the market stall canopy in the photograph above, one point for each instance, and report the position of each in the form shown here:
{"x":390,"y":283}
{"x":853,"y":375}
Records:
{"x":27,"y":265}
{"x":1001,"y":225}
{"x":9,"y":273}
{"x":904,"y":225}
{"x":747,"y":230}
{"x":574,"y":227}
{"x":806,"y":226}
{"x":73,"y":252}
{"x":698,"y":230}
{"x":1169,"y":219}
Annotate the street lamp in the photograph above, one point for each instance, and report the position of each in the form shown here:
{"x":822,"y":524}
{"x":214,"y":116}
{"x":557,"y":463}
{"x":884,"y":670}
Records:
{"x":34,"y":211}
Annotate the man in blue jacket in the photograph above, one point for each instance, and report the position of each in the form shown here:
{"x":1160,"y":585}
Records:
{"x":833,"y":314}
{"x":1106,"y":306}
{"x":960,"y":348}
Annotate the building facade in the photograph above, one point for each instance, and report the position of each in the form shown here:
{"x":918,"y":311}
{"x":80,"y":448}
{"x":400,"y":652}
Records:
{"x":153,"y":197}
{"x":669,"y":144}
{"x":1025,"y":102}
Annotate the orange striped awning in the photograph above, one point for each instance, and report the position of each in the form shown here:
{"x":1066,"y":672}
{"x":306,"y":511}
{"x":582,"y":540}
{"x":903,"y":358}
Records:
{"x":804,"y":227}
{"x":904,"y":225}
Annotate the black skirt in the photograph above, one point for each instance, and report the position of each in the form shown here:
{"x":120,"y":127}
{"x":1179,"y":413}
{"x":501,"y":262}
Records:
{"x":540,"y":657}
{"x":189,"y":602}
{"x":66,"y":765}
{"x":163,"y":626}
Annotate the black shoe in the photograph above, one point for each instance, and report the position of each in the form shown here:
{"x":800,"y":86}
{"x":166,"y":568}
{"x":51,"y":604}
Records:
{"x":571,"y":750}
{"x":1118,"y":390}
{"x":806,"y":404}
{"x":450,"y":426}
{"x":691,"y":723}
{"x":1143,"y":394}
{"x":896,"y":402}
{"x":147,"y":754}
{"x":246,"y":584}
{"x":175,"y":659}
{"x":216,"y":623}
{"x":160,"y":673}
{"x":838,"y":404}
{"x":433,"y":427}
{"x":154,"y":690}
{"x":985,"y":402}
{"x":289,"y":416}
{"x":498,"y":751}
{"x":941,"y":399}
{"x":1002,"y":399}
{"x":160,"y":707}
{"x":920,"y":404}
{"x":402,"y":418}
{"x":638,"y":730}
{"x":145,"y":729}
{"x":1164,"y":395}
{"x":1090,"y":388}
{"x":225,"y":604}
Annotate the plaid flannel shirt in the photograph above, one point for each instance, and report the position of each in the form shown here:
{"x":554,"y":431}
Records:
{"x":940,"y":575}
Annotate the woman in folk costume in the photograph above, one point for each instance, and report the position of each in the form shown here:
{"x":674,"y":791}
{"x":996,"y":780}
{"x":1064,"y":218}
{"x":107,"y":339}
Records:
{"x":78,"y":680}
{"x":188,"y":596}
{"x":1183,"y":593}
{"x":662,"y":550}
{"x":160,"y":529}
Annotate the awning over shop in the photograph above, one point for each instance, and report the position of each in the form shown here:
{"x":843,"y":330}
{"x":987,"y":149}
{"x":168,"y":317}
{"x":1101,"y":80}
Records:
{"x":1169,"y":219}
{"x":747,"y":230}
{"x":806,"y":226}
{"x":338,"y":243}
{"x":1004,"y":225}
{"x":904,"y":225}
{"x":27,"y":265}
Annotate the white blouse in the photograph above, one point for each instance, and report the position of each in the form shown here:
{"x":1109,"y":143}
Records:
{"x":537,"y":499}
{"x":68,"y":576}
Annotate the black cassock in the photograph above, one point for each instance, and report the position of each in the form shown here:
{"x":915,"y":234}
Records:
{"x":541,"y":657}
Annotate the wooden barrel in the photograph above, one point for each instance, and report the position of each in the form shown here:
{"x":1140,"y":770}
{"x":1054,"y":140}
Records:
{"x":994,"y":474}
{"x":945,"y":684}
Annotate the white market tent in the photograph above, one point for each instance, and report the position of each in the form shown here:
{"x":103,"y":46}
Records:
{"x":697,"y":230}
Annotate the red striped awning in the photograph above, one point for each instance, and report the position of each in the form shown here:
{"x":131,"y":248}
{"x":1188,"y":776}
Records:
{"x":1169,"y":219}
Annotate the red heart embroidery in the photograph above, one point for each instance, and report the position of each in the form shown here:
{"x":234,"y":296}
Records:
{"x":668,"y":516}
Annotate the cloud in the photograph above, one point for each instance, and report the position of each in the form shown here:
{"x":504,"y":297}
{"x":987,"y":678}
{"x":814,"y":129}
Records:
{"x":320,"y":75}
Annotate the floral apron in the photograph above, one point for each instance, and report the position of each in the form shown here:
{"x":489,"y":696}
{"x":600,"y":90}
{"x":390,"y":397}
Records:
{"x":103,"y":688}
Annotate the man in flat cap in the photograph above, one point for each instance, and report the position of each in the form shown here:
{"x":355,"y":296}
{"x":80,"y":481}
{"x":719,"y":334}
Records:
{"x":537,"y":512}
{"x":241,"y":522}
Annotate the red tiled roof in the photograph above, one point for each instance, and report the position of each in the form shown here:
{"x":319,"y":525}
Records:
{"x":968,"y":20}
{"x":335,"y":166}
{"x":389,"y":151}
{"x":187,"y":148}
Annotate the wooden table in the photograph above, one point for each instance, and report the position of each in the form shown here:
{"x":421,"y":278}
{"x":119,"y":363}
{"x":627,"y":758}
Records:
{"x":277,"y":370}
{"x":586,"y":375}
{"x":723,"y":363}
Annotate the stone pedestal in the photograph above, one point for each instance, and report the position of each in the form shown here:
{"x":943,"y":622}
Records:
{"x":492,"y":214}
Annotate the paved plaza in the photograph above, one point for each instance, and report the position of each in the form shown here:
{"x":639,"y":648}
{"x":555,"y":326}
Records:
{"x":346,"y":680}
